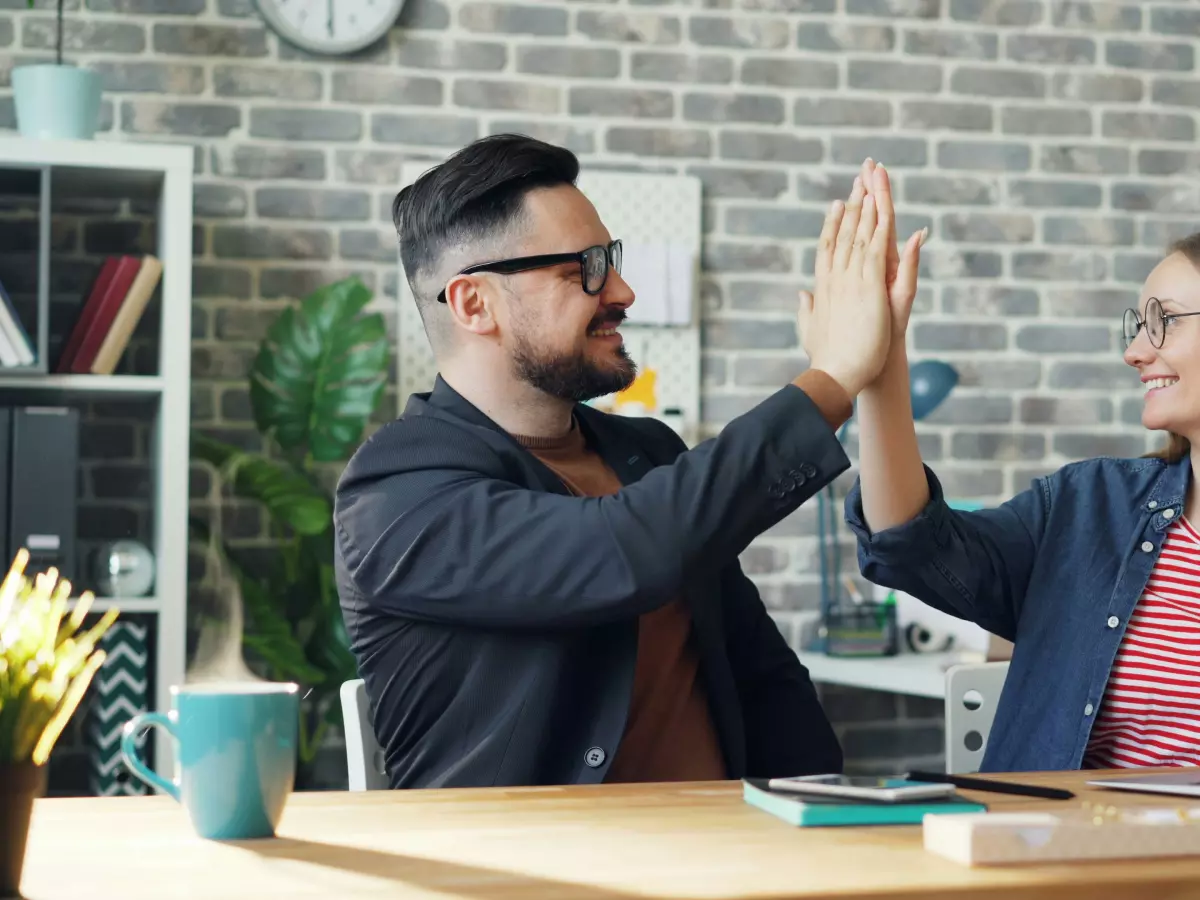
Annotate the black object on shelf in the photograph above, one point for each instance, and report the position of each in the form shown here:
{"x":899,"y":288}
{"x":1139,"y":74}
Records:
{"x":38,"y":462}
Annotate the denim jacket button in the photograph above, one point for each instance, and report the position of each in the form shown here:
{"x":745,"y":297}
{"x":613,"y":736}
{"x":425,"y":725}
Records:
{"x":1087,"y":710}
{"x":1113,"y":621}
{"x":1147,"y":546}
{"x":1153,"y":504}
{"x":1168,"y":513}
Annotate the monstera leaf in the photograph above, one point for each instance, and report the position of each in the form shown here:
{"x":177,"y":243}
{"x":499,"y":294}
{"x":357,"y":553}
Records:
{"x":288,"y":496}
{"x":320,"y":372}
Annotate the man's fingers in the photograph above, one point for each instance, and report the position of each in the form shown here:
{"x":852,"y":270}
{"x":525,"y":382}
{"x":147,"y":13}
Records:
{"x":849,"y":225}
{"x":863,"y":234}
{"x":829,"y":231}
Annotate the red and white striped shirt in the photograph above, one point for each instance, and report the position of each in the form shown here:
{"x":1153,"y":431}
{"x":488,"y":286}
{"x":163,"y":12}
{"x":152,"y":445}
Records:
{"x":1150,"y":715}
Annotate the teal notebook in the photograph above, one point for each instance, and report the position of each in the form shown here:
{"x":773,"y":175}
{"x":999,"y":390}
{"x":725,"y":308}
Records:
{"x":809,"y":810}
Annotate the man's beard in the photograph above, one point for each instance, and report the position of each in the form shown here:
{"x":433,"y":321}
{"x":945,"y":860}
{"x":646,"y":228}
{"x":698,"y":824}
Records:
{"x":573,"y":378}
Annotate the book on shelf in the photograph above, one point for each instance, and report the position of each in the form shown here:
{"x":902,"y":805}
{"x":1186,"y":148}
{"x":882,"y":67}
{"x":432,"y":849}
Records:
{"x":113,"y":308}
{"x":810,"y":810}
{"x":15,"y":347}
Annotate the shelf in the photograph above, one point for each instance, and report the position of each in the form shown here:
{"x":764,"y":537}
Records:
{"x":99,"y":168}
{"x":916,"y":674}
{"x":92,"y":385}
{"x":126,"y":605}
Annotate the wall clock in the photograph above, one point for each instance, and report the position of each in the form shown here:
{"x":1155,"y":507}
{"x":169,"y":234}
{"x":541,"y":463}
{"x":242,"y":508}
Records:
{"x":331,"y":26}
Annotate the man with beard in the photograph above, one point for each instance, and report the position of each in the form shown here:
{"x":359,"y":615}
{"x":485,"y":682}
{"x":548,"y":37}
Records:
{"x":540,"y":593}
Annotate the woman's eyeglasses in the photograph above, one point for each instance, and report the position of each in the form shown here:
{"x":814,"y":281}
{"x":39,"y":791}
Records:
{"x":594,"y":263}
{"x":1155,"y":323}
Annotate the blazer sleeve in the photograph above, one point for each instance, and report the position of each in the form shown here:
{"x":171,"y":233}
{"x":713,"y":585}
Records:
{"x":974,"y":565}
{"x":430,"y":527}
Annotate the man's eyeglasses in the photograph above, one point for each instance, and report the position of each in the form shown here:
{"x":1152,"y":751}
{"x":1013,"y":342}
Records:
{"x":594,"y":263}
{"x":1155,"y":323}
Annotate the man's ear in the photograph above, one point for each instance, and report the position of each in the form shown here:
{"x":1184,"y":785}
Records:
{"x":471,"y":302}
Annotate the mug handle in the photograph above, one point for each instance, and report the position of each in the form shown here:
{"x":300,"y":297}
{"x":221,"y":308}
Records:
{"x":133,"y":728}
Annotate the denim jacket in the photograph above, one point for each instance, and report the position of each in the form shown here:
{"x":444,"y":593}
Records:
{"x":1057,"y":570}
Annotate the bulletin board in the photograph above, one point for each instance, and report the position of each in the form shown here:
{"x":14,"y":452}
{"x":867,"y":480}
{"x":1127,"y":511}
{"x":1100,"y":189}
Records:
{"x":638,"y":208}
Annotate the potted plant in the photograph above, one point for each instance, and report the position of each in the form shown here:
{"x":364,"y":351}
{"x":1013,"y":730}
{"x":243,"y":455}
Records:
{"x":56,"y":100}
{"x":46,"y":664}
{"x":317,"y":378}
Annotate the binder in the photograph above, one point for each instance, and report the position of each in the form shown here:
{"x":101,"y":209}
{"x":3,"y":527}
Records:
{"x":43,"y":465}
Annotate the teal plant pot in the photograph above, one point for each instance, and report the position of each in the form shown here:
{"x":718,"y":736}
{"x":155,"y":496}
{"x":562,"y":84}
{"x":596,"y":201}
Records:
{"x":56,"y":102}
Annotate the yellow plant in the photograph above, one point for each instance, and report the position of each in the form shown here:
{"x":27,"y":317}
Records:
{"x":46,"y":662}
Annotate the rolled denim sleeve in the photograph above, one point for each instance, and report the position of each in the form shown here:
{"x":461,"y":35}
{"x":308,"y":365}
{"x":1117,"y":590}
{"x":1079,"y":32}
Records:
{"x":974,"y":565}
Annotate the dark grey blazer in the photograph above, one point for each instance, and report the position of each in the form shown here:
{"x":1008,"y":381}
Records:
{"x":494,"y":615}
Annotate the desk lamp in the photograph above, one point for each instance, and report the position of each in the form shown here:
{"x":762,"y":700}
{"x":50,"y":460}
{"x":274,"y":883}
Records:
{"x":929,"y":383}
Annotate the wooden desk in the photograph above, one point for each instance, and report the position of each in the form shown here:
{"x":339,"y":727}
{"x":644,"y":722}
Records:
{"x":593,"y":843}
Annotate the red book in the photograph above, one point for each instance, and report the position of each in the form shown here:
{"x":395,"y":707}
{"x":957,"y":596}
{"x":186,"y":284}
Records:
{"x":107,"y":307}
{"x":99,"y":286}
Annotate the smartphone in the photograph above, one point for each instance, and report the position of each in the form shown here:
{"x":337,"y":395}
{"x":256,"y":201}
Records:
{"x":863,"y":787}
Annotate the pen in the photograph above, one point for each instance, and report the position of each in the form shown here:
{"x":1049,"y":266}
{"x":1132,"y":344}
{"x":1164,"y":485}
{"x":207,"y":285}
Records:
{"x":996,"y":787}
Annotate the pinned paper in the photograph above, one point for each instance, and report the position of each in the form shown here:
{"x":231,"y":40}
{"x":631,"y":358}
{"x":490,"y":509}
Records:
{"x":662,"y":276}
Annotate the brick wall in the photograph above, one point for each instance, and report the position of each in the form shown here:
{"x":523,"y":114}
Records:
{"x":1047,"y":144}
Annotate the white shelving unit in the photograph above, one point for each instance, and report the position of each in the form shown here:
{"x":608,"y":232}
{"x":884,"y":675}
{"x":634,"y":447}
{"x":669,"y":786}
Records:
{"x":161,"y":174}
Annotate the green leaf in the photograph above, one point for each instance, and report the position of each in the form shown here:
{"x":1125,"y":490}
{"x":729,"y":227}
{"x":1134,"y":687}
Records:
{"x":320,"y":372}
{"x":287,"y":495}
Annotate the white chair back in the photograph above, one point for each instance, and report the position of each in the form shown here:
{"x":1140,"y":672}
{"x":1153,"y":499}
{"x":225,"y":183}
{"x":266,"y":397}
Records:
{"x":364,"y":756}
{"x":972,"y":692}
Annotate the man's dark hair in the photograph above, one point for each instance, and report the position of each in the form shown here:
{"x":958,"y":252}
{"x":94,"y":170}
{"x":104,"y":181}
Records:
{"x":474,"y":195}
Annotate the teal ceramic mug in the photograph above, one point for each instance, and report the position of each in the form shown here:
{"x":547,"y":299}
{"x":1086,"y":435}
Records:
{"x":236,"y":751}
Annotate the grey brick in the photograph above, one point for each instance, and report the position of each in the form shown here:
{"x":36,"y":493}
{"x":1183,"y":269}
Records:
{"x":723,"y":181}
{"x":569,"y":61}
{"x":951,"y":44}
{"x":262,"y":81}
{"x":954,"y":191}
{"x":381,"y":167}
{"x":311,"y":203}
{"x":669,"y":142}
{"x":506,"y":18}
{"x":993,"y":374}
{"x":1148,"y":125}
{"x":744,"y":32}
{"x":911,"y":9}
{"x":842,"y":111}
{"x":259,"y":242}
{"x":7,"y":32}
{"x":244,"y":323}
{"x":767,"y":371}
{"x":789,"y":73}
{"x":1084,"y":159}
{"x":1059,"y":266}
{"x":844,"y":37}
{"x":1086,"y":446}
{"x":1161,"y":233}
{"x":1045,"y":194}
{"x":722,"y":257}
{"x":164,"y":117}
{"x":1057,"y":411}
{"x":749,"y":334}
{"x":988,"y":300}
{"x":712,"y":370}
{"x":992,"y":156}
{"x":279,"y":283}
{"x":236,"y":9}
{"x":776,"y":6}
{"x":1106,"y":231}
{"x":149,"y":7}
{"x":212,"y":201}
{"x":1177,"y":23}
{"x":773,"y":222}
{"x":429,"y":15}
{"x":938,"y":115}
{"x":573,"y":136}
{"x":959,"y":336}
{"x":1180,"y":197}
{"x":1047,"y":120}
{"x":763,"y":296}
{"x":427,"y":129}
{"x":1096,"y":16}
{"x":824,"y":185}
{"x":961,"y":409}
{"x":1131,"y":411}
{"x":998,"y":82}
{"x":763,"y":560}
{"x":507,"y":95}
{"x":86,"y":36}
{"x":1050,"y":49}
{"x":1065,"y":338}
{"x":371,"y":245}
{"x":633,"y":28}
{"x":451,"y":56}
{"x":686,"y":68}
{"x":739,"y":107}
{"x":210,"y":40}
{"x":1006,"y":447}
{"x":150,"y":77}
{"x":1132,"y":267}
{"x":1009,"y":13}
{"x":366,"y":87}
{"x":260,"y":162}
{"x":1176,"y":92}
{"x":894,"y":152}
{"x":991,"y":228}
{"x":1156,"y":56}
{"x":622,"y":102}
{"x":220,"y":281}
{"x":1089,"y":88}
{"x":1087,"y":302}
{"x":296,"y":124}
{"x":881,"y":75}
{"x":891,"y":742}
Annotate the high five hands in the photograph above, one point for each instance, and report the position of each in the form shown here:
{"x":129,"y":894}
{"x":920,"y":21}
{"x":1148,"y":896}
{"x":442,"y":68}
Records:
{"x":865,"y":285}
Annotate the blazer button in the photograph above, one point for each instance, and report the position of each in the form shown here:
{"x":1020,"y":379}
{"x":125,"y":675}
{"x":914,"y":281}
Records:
{"x":595,"y":757}
{"x":808,"y":470}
